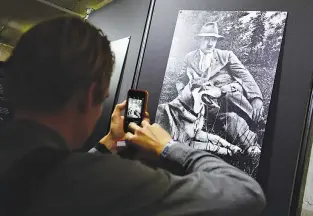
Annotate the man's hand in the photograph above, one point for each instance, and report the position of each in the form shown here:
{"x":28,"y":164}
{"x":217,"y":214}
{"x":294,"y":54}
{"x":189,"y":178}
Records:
{"x":152,"y":138}
{"x":254,"y":151}
{"x":116,"y":128}
{"x":117,"y":122}
{"x":258,"y":109}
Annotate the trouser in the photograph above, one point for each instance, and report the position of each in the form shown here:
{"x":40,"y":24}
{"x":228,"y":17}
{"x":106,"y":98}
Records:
{"x":231,"y":118}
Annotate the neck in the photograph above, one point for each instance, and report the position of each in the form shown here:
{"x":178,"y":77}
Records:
{"x":61,"y":122}
{"x":207,"y":51}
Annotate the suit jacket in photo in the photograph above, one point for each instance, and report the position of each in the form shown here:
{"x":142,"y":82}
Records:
{"x":225,"y":68}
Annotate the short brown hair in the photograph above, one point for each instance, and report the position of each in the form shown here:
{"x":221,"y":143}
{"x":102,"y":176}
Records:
{"x":56,"y":60}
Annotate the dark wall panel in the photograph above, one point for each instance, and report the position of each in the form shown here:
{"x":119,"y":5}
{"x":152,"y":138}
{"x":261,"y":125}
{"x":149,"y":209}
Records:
{"x":119,"y":19}
{"x":291,"y":91}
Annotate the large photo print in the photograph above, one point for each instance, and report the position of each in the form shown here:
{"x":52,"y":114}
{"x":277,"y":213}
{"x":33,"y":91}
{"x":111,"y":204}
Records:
{"x":218,"y":82}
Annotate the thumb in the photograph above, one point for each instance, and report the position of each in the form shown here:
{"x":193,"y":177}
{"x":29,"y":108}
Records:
{"x":119,"y":108}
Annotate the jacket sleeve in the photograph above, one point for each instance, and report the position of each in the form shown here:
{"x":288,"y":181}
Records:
{"x":210,"y":187}
{"x":183,"y":78}
{"x":243,"y":76}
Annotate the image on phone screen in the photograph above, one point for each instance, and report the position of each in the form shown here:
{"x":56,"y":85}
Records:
{"x":134,"y":108}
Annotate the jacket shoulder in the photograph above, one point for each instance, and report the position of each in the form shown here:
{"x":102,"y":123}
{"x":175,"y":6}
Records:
{"x":223,"y":53}
{"x":85,"y":179}
{"x":101,"y":171}
{"x":192,"y":54}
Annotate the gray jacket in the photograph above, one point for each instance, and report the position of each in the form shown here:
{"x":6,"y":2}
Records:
{"x":225,"y":68}
{"x":105,"y":184}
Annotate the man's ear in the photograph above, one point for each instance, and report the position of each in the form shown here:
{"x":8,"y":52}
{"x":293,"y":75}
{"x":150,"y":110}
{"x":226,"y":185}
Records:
{"x":90,"y":95}
{"x":87,"y":99}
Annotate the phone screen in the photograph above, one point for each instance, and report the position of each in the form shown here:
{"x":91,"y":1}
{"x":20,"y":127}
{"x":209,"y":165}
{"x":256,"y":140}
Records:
{"x":135,"y":107}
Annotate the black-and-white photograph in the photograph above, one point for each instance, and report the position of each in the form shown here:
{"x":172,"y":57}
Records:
{"x":218,"y":82}
{"x":134,"y":108}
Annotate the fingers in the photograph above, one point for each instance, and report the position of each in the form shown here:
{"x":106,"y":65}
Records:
{"x":133,"y":126}
{"x":146,"y":118}
{"x":259,"y":114}
{"x":254,"y":115}
{"x":145,"y":123}
{"x":262,"y":112}
{"x":119,"y":108}
{"x":155,"y":125}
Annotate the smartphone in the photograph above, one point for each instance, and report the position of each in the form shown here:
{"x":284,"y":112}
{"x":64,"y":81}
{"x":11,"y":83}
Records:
{"x":135,"y":107}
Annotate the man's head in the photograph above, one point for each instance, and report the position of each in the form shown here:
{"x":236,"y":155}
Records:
{"x":62,"y":64}
{"x":207,"y":44}
{"x":208,"y":37}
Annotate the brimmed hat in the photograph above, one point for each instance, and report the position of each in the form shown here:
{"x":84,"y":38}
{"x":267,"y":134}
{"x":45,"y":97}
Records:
{"x":210,"y":29}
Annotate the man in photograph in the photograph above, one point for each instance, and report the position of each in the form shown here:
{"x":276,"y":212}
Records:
{"x":217,"y":77}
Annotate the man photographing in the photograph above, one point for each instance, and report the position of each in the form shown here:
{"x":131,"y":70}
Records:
{"x":57,"y":78}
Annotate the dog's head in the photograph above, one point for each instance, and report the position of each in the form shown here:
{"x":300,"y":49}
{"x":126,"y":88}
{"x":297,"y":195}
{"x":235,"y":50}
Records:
{"x":205,"y":95}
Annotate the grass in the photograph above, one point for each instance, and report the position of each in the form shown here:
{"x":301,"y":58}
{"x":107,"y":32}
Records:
{"x":306,"y":212}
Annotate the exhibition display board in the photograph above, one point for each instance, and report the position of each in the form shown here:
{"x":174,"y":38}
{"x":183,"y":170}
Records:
{"x":218,"y":82}
{"x":288,"y":107}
